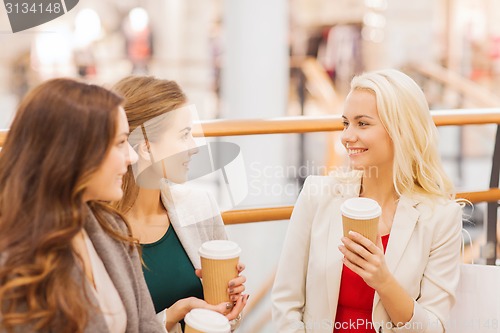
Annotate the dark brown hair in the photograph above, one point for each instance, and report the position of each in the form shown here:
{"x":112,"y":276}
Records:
{"x":62,"y":131}
{"x":146,"y":98}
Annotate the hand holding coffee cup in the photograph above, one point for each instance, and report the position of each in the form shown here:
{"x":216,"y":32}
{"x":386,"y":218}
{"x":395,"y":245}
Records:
{"x":219,"y":260}
{"x":206,"y":321}
{"x":361,"y":215}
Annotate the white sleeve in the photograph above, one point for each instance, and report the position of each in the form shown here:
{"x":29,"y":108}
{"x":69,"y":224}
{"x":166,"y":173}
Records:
{"x":441,"y":276}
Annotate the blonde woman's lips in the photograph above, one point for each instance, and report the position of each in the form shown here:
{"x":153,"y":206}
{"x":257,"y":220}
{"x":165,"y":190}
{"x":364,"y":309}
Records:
{"x":356,"y":151}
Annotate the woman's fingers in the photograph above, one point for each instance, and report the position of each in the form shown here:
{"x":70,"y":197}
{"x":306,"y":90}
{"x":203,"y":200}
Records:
{"x":355,"y":248}
{"x":353,"y":267}
{"x":365,"y":258}
{"x":353,"y":257}
{"x":359,"y":252}
{"x":234,"y":297}
{"x":238,"y":307}
{"x":237,"y":281}
{"x":365,"y":242}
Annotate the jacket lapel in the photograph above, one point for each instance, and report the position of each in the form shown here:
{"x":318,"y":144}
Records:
{"x":346,"y":186}
{"x":194,"y":215}
{"x":334,"y":259}
{"x":186,"y":230}
{"x":113,"y":256}
{"x":404,"y":223}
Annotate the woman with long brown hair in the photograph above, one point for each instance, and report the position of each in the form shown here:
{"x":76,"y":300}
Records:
{"x":161,"y":132}
{"x":67,"y":261}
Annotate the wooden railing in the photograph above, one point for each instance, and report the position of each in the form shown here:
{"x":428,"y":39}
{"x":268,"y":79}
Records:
{"x":235,"y":127}
{"x":283,"y":213}
{"x":221,"y":127}
{"x":332,"y":123}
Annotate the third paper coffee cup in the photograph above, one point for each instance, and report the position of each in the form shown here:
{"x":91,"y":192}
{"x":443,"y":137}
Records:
{"x":219,"y":259}
{"x":361,"y":215}
{"x":206,"y":321}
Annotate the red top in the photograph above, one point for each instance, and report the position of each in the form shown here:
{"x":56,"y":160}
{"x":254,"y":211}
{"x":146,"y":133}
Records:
{"x":354,"y":309}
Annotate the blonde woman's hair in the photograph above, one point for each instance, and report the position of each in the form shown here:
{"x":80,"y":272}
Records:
{"x":404,"y":112}
{"x":146,"y":98}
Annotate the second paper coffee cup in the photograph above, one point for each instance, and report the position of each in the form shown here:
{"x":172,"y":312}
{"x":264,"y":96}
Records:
{"x":206,"y":321}
{"x":219,"y":259}
{"x":361,"y":215}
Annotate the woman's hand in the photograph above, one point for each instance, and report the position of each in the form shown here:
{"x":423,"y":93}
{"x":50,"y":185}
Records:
{"x":235,"y":310}
{"x":181,"y":308}
{"x":236,"y":286}
{"x":366,"y":259}
{"x":235,"y":289}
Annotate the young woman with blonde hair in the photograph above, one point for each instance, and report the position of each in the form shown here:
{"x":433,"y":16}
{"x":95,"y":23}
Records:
{"x":406,"y":280}
{"x":161,"y":126}
{"x":67,"y":261}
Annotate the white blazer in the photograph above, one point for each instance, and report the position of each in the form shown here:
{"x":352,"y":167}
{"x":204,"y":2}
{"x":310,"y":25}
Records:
{"x":196,"y":218}
{"x":423,"y":254}
{"x":194,"y":215}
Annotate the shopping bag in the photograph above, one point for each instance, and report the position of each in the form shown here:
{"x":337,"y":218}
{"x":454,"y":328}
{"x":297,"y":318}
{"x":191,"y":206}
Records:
{"x":477,"y":307}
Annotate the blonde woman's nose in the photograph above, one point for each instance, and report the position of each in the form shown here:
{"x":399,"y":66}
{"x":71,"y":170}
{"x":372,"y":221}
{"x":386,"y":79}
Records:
{"x":347,"y":135}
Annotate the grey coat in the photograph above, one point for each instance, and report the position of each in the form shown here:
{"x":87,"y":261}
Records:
{"x":124,"y":269}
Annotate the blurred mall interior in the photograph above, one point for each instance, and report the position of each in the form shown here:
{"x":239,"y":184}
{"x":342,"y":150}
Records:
{"x":245,"y":59}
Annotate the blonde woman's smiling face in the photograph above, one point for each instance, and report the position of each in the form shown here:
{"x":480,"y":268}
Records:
{"x":367,"y":142}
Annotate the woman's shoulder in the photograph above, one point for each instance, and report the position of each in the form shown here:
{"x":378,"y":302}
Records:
{"x":440,"y":211}
{"x":438,"y":205}
{"x":103,"y":212}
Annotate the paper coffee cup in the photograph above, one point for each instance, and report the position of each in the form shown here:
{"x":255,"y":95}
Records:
{"x":219,"y":259}
{"x":361,"y":215}
{"x":206,"y":321}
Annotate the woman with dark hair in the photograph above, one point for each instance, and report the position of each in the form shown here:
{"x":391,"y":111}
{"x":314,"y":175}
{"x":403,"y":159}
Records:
{"x":67,"y":261}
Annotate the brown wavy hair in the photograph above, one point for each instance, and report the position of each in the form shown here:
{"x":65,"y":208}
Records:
{"x":62,"y":131}
{"x":146,"y":98}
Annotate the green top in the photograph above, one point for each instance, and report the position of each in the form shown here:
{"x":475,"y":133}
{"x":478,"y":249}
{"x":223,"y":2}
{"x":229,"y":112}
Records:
{"x":168,"y":272}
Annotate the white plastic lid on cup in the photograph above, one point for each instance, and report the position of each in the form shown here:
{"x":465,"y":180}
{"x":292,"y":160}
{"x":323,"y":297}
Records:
{"x":361,"y":208}
{"x":208,"y":321}
{"x":219,"y":250}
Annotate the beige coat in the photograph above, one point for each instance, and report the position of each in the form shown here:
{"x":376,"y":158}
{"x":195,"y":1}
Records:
{"x":423,"y":254}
